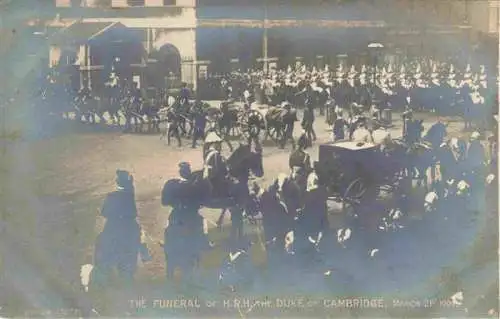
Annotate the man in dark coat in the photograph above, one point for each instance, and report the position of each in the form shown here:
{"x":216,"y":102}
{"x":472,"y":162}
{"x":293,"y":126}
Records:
{"x":289,"y":117}
{"x":475,"y":158}
{"x":436,"y":133}
{"x":200,"y":123}
{"x":119,"y":243}
{"x":308,"y":123}
{"x":339,"y":126}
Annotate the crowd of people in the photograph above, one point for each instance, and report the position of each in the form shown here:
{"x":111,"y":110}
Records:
{"x":294,"y":211}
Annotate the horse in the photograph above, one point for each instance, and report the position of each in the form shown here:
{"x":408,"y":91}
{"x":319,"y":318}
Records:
{"x":114,"y":96}
{"x":150,"y":109}
{"x":228,"y":120}
{"x":240,"y":164}
{"x":413,"y":160}
{"x":185,"y":238}
{"x":184,"y":115}
{"x":131,"y":111}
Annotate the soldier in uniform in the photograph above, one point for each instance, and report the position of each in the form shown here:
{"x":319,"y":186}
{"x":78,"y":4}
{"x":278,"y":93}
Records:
{"x":308,"y":123}
{"x":214,"y":169}
{"x":407,"y":118}
{"x":200,"y":123}
{"x":288,"y":118}
{"x":173,"y":124}
{"x":339,"y":126}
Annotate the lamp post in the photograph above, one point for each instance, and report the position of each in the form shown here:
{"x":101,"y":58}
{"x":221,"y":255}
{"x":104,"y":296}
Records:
{"x":264,"y":44}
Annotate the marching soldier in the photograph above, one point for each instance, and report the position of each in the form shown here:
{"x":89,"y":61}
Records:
{"x":308,"y":123}
{"x":289,"y":118}
{"x":214,"y":169}
{"x":173,"y":124}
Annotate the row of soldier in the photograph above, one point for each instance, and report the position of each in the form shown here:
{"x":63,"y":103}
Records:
{"x":437,"y":90}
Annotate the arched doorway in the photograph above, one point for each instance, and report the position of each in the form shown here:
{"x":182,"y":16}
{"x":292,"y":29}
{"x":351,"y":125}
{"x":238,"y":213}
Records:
{"x":123,"y":57}
{"x":164,"y":67}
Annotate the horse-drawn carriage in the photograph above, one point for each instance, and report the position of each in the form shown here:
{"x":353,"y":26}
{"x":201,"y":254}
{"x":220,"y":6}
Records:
{"x":354,"y":171}
{"x":232,"y":118}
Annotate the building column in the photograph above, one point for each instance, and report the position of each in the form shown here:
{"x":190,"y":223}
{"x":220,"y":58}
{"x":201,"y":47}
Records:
{"x":264,"y":50}
{"x":88,"y":63}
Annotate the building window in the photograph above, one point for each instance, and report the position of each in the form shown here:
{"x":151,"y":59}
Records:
{"x":135,"y":3}
{"x":169,"y":2}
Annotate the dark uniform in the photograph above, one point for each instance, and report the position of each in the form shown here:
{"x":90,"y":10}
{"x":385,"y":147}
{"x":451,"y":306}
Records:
{"x":407,"y":119}
{"x":200,"y":123}
{"x":436,"y":134}
{"x":308,"y":123}
{"x":289,"y":118}
{"x":173,"y":124}
{"x":299,"y":158}
{"x":339,"y":126}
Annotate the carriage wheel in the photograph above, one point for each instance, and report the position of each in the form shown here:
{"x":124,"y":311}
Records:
{"x":355,"y":191}
{"x":216,"y":123}
{"x":252,"y":123}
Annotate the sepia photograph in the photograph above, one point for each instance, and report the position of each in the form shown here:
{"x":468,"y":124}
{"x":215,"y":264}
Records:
{"x":249,"y":158}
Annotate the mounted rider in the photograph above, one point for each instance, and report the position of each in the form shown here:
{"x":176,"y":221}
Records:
{"x":214,"y":169}
{"x":177,"y":193}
